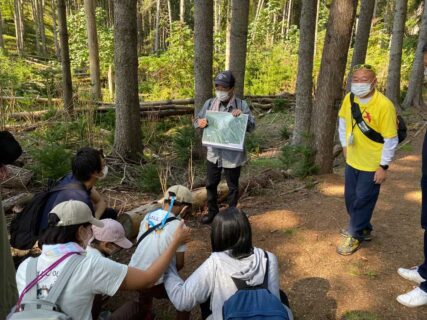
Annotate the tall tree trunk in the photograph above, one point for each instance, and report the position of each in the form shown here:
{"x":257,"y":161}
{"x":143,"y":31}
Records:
{"x":362,"y":35}
{"x":111,"y":81}
{"x":55,"y":31}
{"x":67,"y":85}
{"x":140,"y":28}
{"x":34,"y":12}
{"x":111,"y":12}
{"x":127,"y":138}
{"x":92,"y":37}
{"x":330,"y":80}
{"x":182,"y":11}
{"x":288,"y":20}
{"x":42,"y":30}
{"x":238,"y":43}
{"x":304,"y":90}
{"x":157,"y":36}
{"x":414,"y":95}
{"x":228,"y":36}
{"x":203,"y":55}
{"x":257,"y":14}
{"x":317,"y":26}
{"x":283,"y":23}
{"x":217,"y":16}
{"x":19,"y":32}
{"x":2,"y":46}
{"x":395,"y":61}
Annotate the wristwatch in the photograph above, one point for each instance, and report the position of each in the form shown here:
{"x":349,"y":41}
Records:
{"x":384,"y":166}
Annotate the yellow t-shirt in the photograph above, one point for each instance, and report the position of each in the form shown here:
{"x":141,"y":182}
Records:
{"x":379,"y":113}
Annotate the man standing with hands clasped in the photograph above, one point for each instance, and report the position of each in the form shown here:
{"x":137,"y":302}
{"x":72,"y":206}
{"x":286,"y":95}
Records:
{"x":217,"y":158}
{"x":368,"y":135}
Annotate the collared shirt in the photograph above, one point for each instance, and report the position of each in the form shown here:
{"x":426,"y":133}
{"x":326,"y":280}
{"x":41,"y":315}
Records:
{"x":222,"y":157}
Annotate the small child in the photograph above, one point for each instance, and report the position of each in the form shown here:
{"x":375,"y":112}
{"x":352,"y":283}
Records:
{"x":177,"y":203}
{"x":108,"y":240}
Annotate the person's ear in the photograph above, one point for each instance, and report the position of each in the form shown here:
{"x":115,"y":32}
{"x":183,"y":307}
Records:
{"x":184,"y":211}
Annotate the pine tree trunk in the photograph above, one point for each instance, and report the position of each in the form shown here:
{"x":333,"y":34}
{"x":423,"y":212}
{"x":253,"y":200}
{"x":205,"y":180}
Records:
{"x":330,"y":80}
{"x":257,"y":14}
{"x":395,"y":61}
{"x":238,"y":43}
{"x":170,"y":16}
{"x":17,"y":16}
{"x":217,"y":16}
{"x":140,"y":27}
{"x":55,"y":31}
{"x":304,"y":90}
{"x":2,"y":46}
{"x":283,"y":23}
{"x":157,"y":36}
{"x":127,"y":139}
{"x":182,"y":11}
{"x":67,"y":85}
{"x":414,"y":95}
{"x":111,"y":81}
{"x":34,"y":12}
{"x":111,"y":12}
{"x":317,"y":26}
{"x":42,"y":30}
{"x":362,"y":35}
{"x":288,"y":20}
{"x":203,"y":51}
{"x":228,"y":36}
{"x":92,"y":37}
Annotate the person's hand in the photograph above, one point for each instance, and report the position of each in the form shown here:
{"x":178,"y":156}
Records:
{"x":3,"y":172}
{"x":182,"y":234}
{"x":380,"y":175}
{"x":236,"y":112}
{"x":344,"y":152}
{"x":202,"y":123}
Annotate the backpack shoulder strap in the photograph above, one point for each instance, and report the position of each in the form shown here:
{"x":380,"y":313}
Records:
{"x":64,"y":277}
{"x":149,"y":230}
{"x":31,"y":273}
{"x":267,"y":265}
{"x":69,"y":186}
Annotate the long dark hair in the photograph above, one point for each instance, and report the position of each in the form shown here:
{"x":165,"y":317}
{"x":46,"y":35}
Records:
{"x":231,"y":230}
{"x":56,"y":235}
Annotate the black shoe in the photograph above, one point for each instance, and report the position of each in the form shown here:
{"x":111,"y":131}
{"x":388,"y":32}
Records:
{"x":208,"y":218}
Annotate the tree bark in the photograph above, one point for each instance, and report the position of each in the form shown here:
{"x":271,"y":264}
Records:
{"x":55,"y":31}
{"x":288,"y":20}
{"x":111,"y":81}
{"x":17,"y":16}
{"x":203,"y":47}
{"x":42,"y":30}
{"x":67,"y":85}
{"x":330,"y":80}
{"x":127,"y":139}
{"x":228,"y":36}
{"x":304,"y":87}
{"x":395,"y":60}
{"x":92,"y":37}
{"x":34,"y":12}
{"x":182,"y":11}
{"x":414,"y":95}
{"x":362,"y":35}
{"x":238,"y":43}
{"x":157,"y":33}
{"x":2,"y":46}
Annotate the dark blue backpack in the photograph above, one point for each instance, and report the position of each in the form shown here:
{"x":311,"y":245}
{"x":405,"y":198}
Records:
{"x":254,"y":302}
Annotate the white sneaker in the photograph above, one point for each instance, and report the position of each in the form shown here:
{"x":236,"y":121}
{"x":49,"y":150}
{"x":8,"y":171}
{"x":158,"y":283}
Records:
{"x":414,"y":298}
{"x":411,"y":274}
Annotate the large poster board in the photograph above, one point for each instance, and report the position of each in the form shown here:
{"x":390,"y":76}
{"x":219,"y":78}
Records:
{"x":225,"y":131}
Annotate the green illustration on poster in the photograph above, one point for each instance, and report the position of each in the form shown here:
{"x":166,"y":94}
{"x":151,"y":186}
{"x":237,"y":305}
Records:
{"x":225,"y":131}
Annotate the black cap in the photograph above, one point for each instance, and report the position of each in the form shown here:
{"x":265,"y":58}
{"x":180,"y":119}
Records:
{"x":225,"y":79}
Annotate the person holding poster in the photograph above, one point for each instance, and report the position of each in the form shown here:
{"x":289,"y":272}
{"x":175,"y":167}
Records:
{"x":222,"y":158}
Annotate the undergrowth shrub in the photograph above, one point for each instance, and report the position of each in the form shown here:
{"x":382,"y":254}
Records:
{"x":299,"y":160}
{"x":149,"y":180}
{"x":52,"y":161}
{"x":183,"y":143}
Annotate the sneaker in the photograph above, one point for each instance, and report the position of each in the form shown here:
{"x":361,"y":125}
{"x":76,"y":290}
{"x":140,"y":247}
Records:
{"x":411,"y":274}
{"x":414,"y":298}
{"x":366,"y":234}
{"x":348,"y":246}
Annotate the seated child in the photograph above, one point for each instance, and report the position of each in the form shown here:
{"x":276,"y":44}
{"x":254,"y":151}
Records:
{"x":176,"y":204}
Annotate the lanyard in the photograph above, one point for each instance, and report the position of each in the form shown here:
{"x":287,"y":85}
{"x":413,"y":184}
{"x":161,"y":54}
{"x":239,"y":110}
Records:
{"x":151,"y":224}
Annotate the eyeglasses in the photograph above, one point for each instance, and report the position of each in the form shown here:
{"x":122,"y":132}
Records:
{"x":363,"y":66}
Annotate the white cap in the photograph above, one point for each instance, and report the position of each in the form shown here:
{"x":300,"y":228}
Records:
{"x":182,"y":194}
{"x":74,"y":212}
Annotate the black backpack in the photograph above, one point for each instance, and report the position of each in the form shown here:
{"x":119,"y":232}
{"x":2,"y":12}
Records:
{"x":10,"y":150}
{"x":25,"y":227}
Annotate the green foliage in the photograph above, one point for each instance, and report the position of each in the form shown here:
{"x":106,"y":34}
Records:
{"x":253,"y":142}
{"x":79,"y":50}
{"x":51,"y":161}
{"x":284,"y":133}
{"x":106,"y":120}
{"x":359,"y":315}
{"x":149,"y":180}
{"x":299,"y":160}
{"x":183,"y":142}
{"x":279,"y":105}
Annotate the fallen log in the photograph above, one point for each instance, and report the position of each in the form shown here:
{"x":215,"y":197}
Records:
{"x":17,"y":177}
{"x":19,"y":200}
{"x":35,"y":99}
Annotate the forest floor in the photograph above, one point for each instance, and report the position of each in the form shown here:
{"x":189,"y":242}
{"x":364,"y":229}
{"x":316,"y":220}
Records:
{"x":301,"y":229}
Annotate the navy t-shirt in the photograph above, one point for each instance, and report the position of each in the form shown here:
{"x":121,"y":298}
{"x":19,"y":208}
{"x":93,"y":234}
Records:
{"x":65,"y":195}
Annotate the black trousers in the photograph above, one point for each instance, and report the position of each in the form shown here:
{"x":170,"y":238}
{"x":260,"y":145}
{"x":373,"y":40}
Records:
{"x":422,"y":269}
{"x":232,"y":176}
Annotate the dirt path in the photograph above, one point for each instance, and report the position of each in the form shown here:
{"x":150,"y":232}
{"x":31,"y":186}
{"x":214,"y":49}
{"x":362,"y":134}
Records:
{"x":302,"y":230}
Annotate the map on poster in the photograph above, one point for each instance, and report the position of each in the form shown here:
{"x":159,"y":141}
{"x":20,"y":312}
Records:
{"x":225,"y":131}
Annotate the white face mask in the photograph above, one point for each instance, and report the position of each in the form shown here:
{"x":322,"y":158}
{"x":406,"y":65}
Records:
{"x":361,"y":89}
{"x":222,"y":95}
{"x":104,"y":173}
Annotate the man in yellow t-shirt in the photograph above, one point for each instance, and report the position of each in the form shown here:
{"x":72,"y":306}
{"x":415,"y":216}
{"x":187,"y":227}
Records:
{"x":367,"y":160}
